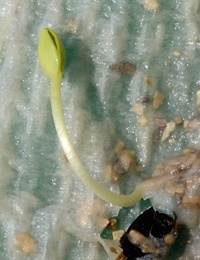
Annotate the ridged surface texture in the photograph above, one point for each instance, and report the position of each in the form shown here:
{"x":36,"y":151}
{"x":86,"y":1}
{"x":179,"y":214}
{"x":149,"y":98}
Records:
{"x":41,"y":200}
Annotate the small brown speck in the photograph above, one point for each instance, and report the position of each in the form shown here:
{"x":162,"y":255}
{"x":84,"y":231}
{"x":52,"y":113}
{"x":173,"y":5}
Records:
{"x":178,"y":120}
{"x":112,"y":223}
{"x":25,"y":243}
{"x":169,"y":239}
{"x":151,"y":5}
{"x":125,"y":162}
{"x":158,"y":99}
{"x":117,"y":234}
{"x":170,"y":127}
{"x":124,"y":67}
{"x":177,"y":53}
{"x":113,"y":250}
{"x":175,"y":188}
{"x":121,"y":256}
{"x":138,"y":109}
{"x":149,"y":81}
{"x":143,"y":242}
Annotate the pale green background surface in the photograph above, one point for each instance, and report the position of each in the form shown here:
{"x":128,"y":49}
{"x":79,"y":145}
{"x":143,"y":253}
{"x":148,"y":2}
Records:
{"x":38,"y":192}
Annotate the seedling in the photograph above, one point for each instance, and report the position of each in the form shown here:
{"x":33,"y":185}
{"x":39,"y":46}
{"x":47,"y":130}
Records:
{"x":52,"y":60}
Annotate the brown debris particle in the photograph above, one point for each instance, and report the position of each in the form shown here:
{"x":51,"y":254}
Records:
{"x":138,"y":108}
{"x":186,"y":181}
{"x":143,"y":242}
{"x":25,"y":243}
{"x":124,"y":67}
{"x":158,"y":99}
{"x":117,"y":234}
{"x":121,"y":256}
{"x":125,"y":162}
{"x":112,"y":223}
{"x":151,"y":5}
{"x":190,"y":125}
{"x":177,"y":53}
{"x":176,"y":188}
{"x":169,"y":239}
{"x":191,"y":202}
{"x":113,"y":250}
{"x":178,"y":120}
{"x":170,"y":127}
{"x":149,"y":81}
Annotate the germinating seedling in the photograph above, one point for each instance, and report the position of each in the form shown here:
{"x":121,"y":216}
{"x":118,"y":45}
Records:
{"x":52,"y":60}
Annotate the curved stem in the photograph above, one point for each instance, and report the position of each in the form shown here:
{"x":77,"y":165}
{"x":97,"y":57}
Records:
{"x":78,"y":167}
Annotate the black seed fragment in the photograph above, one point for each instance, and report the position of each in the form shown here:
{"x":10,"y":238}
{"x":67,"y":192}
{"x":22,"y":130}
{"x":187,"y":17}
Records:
{"x":146,"y":236}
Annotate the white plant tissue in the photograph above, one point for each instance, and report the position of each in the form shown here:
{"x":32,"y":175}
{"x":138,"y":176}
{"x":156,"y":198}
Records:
{"x":39,"y":194}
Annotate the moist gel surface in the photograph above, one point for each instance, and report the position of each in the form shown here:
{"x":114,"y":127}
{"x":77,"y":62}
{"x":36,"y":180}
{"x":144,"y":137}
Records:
{"x":46,"y":212}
